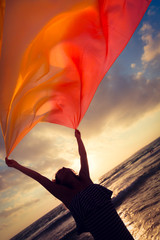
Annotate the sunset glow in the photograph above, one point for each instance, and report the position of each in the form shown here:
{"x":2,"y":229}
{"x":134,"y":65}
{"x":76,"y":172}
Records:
{"x":123,"y":117}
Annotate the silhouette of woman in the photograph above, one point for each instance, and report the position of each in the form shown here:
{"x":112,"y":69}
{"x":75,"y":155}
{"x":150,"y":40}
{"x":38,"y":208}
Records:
{"x":89,"y":203}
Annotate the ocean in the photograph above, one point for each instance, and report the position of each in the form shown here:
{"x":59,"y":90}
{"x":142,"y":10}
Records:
{"x":136,"y":195}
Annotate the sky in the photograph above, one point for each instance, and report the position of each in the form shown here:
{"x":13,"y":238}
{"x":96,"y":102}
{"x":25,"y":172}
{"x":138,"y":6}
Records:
{"x":124,"y":116}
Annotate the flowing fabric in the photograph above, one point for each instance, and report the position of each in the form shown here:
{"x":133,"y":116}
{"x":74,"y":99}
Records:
{"x":2,"y":8}
{"x":54,"y":55}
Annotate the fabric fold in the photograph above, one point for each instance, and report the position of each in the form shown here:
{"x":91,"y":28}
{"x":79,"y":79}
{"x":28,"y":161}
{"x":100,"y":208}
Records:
{"x":53,"y":61}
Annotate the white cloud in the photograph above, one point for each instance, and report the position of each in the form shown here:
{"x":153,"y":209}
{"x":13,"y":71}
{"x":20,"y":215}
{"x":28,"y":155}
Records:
{"x":146,"y":27}
{"x":151,"y":48}
{"x":151,"y":43}
{"x":133,"y":65}
{"x":139,"y":75}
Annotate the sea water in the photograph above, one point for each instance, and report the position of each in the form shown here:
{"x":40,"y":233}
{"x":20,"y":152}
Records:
{"x":136,"y":195}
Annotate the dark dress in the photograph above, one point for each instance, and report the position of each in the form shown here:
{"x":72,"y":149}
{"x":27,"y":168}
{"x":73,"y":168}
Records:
{"x":94,"y":212}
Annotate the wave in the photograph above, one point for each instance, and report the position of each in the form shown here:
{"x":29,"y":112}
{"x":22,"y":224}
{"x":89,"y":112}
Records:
{"x":51,"y":226}
{"x":148,"y":206}
{"x":134,"y":186}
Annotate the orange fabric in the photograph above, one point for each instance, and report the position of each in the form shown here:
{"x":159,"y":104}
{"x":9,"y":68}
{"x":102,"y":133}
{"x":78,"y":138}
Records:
{"x":54,"y":55}
{"x":2,"y":8}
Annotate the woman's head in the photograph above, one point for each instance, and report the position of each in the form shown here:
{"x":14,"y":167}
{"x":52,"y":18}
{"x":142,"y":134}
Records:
{"x":65,"y":176}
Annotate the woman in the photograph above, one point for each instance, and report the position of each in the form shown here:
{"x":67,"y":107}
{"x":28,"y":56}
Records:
{"x":89,"y":203}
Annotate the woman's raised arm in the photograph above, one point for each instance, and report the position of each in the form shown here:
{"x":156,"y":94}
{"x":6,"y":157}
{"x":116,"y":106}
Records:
{"x":84,"y":170}
{"x":58,"y":191}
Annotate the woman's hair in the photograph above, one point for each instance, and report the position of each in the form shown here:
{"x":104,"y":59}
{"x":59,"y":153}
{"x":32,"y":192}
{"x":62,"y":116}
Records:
{"x":57,"y":181}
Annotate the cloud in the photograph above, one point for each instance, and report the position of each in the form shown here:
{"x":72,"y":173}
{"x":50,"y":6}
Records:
{"x":35,"y":142}
{"x":11,"y":179}
{"x":7,"y":177}
{"x":151,"y":48}
{"x":3,"y":184}
{"x":16,"y":210}
{"x":42,"y":148}
{"x":121,"y":101}
{"x":151,"y":43}
{"x":133,"y":65}
{"x":146,"y":27}
{"x":139,"y":75}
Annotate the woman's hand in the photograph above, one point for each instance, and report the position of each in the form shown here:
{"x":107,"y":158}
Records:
{"x":77,"y":133}
{"x":11,"y":163}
